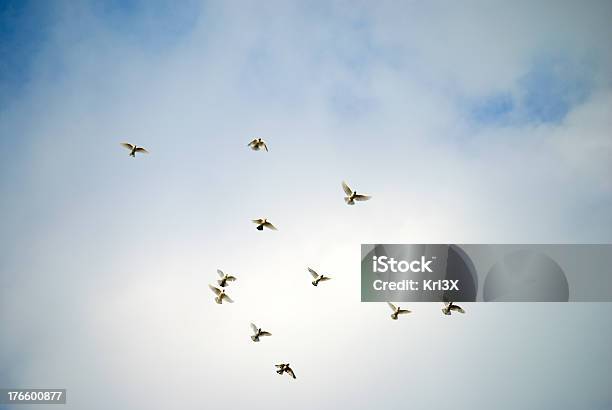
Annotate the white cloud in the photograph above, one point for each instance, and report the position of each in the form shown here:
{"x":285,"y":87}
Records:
{"x":107,"y":257}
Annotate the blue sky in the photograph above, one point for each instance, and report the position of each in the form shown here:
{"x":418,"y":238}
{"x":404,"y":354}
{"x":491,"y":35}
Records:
{"x":23,"y":29}
{"x":468,"y":123}
{"x":546,"y":93}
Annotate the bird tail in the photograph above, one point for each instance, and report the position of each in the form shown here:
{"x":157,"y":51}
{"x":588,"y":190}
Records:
{"x":218,"y":300}
{"x":255,"y":338}
{"x":446,"y":311}
{"x":314,"y":283}
{"x":279,"y":371}
{"x":349,"y":201}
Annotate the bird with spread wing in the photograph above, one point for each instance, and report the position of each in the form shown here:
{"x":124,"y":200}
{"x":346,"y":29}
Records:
{"x":258,"y":144}
{"x":258,"y":333}
{"x":225,"y":278}
{"x":263,"y":223}
{"x":451,"y":307}
{"x":284,"y":368}
{"x":317,"y":278}
{"x":397,"y":311}
{"x":221,"y":295}
{"x":134,"y":149}
{"x":353,"y":196}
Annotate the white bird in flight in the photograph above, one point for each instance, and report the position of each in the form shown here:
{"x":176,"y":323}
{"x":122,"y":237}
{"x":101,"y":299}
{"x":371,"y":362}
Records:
{"x":221,"y":295}
{"x":134,"y":149}
{"x":397,"y":311}
{"x":317,"y":278}
{"x":224,"y":278}
{"x":451,"y":307}
{"x":258,"y":332}
{"x":263,"y":223}
{"x":353,"y":196}
{"x":284,"y":368}
{"x":257,"y":144}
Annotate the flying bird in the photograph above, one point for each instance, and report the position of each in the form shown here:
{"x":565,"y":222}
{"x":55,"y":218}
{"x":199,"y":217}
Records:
{"x":284,"y":368}
{"x":396,"y":311}
{"x":224,"y":278}
{"x":317,"y":278}
{"x":451,"y":307}
{"x":262,"y":222}
{"x":258,"y":332}
{"x":134,"y":149}
{"x":221,"y":295}
{"x":353,"y":195}
{"x":257,"y":144}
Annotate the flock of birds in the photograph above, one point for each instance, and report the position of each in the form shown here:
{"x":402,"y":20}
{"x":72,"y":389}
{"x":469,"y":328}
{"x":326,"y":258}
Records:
{"x":224,"y":279}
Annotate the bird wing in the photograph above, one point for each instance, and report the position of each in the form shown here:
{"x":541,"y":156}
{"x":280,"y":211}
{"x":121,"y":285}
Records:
{"x":362,"y":197}
{"x":265,"y":146}
{"x":215,"y":289}
{"x":264,"y":333}
{"x":280,"y":366}
{"x":324,"y":278}
{"x":127,"y":145}
{"x":313,"y":273}
{"x":402,"y":311}
{"x":392,"y":306}
{"x":252,"y":142}
{"x":231,"y":278}
{"x":290,"y":371}
{"x":257,"y":221}
{"x":226,"y":297}
{"x":457,"y":309}
{"x":347,"y":189}
{"x":255,"y":328}
{"x":270,"y":226}
{"x":220,"y":273}
{"x":141,"y":149}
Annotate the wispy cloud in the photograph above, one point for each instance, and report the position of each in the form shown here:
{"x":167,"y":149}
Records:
{"x":546,"y":93}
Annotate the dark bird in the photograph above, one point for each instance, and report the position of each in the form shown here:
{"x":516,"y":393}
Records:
{"x":397,"y":311}
{"x":257,"y":144}
{"x":284,"y":368}
{"x":451,"y":307}
{"x":134,"y":149}
{"x":317,"y":278}
{"x":353,"y":195}
{"x":258,"y":332}
{"x":224,"y":278}
{"x":221,"y":295}
{"x":261,"y":223}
